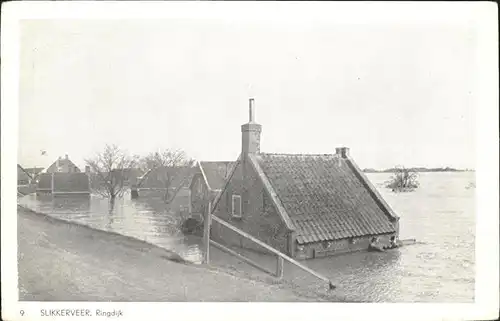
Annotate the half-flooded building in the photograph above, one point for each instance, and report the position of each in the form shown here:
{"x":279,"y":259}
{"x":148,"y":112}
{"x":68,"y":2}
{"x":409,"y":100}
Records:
{"x":62,"y":178}
{"x":23,"y":176}
{"x":304,"y":205}
{"x":207,"y":181}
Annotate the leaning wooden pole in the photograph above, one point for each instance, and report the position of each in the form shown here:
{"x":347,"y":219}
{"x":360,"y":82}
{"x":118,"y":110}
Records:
{"x":206,"y":234}
{"x":274,"y":251}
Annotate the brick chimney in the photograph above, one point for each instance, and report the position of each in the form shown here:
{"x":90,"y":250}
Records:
{"x":342,"y":151}
{"x":250,"y":144}
{"x":87,"y":169}
{"x":250,"y":133}
{"x":66,"y":156}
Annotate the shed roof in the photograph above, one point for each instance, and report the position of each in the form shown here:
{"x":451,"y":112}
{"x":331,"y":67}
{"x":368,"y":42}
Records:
{"x":325,"y":197}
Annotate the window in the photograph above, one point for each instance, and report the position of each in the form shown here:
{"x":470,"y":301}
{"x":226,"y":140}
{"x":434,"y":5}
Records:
{"x":236,"y":207}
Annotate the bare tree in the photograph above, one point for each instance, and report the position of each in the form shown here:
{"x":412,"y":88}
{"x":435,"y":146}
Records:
{"x":404,"y":179}
{"x":110,"y":171}
{"x":167,"y":167}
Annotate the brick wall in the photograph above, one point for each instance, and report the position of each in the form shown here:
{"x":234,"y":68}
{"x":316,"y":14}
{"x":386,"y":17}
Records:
{"x":259,"y":217}
{"x":318,"y":249}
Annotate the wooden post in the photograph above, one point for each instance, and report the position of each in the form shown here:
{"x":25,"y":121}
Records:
{"x":206,"y":234}
{"x":52,"y":184}
{"x":279,"y":267}
{"x":272,"y":250}
{"x":241,"y":257}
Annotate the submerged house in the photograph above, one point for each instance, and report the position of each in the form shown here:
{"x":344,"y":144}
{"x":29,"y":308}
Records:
{"x":306,"y":206}
{"x":23,"y":177}
{"x":207,"y":181}
{"x":162,"y":177}
{"x":27,"y":176}
{"x":63,"y":178}
{"x":27,"y":179}
{"x":168,"y":182}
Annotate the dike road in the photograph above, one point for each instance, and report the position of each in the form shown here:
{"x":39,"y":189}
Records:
{"x":62,"y":261}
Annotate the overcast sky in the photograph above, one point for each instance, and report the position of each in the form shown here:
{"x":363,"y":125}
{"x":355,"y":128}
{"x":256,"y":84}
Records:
{"x":396,"y":94}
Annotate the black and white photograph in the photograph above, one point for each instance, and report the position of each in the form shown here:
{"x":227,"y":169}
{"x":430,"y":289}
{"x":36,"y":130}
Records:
{"x":284,"y":152}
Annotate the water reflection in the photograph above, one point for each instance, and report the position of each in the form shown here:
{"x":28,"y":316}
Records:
{"x":150,"y":220}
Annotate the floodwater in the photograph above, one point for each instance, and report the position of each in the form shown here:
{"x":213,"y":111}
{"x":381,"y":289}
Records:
{"x":440,"y":214}
{"x":148,"y":218}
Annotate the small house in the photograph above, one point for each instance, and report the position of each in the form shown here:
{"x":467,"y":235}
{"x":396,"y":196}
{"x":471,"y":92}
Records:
{"x":23,"y":177}
{"x":26,"y":179}
{"x":173,"y":177}
{"x":168,"y":182}
{"x":304,"y":205}
{"x":207,"y":181}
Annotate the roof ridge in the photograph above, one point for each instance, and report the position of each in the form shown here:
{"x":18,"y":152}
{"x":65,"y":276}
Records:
{"x":217,"y":161}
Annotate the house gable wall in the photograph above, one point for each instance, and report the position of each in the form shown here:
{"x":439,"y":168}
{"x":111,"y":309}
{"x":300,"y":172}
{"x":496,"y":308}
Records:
{"x":259,"y":217}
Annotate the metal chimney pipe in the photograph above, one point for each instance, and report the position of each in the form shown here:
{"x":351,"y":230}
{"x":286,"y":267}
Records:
{"x":251,"y":110}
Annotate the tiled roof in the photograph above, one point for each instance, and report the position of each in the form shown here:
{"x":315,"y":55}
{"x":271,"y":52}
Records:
{"x":216,"y":173}
{"x":324,"y":197}
{"x":64,"y":182}
{"x":64,"y":164}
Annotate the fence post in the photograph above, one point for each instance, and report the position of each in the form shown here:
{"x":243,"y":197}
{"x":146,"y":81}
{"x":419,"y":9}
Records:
{"x":206,"y":234}
{"x":279,"y":267}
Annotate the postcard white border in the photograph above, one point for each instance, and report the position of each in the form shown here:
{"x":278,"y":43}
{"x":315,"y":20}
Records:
{"x":482,"y":14}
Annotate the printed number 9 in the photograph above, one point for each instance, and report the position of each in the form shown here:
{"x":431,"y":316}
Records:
{"x":21,"y":312}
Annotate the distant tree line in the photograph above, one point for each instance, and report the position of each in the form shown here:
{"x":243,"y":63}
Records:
{"x":416,"y":169}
